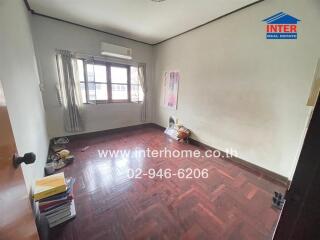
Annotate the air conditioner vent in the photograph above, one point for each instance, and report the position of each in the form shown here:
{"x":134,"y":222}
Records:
{"x":112,"y":50}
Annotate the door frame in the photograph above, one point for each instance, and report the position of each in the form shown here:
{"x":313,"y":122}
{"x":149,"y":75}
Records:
{"x":304,"y":182}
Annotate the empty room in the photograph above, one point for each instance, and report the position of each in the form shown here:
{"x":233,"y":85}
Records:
{"x":159,"y":119}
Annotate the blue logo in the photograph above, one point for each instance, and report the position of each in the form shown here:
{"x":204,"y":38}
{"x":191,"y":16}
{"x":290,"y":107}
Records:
{"x":281,"y":26}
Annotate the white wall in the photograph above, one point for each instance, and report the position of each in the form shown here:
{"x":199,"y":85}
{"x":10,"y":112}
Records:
{"x":237,"y":90}
{"x":19,"y":76}
{"x":241,"y":91}
{"x":50,"y":35}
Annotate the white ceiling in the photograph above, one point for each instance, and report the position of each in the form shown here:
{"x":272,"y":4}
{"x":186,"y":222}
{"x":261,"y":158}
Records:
{"x":142,"y":20}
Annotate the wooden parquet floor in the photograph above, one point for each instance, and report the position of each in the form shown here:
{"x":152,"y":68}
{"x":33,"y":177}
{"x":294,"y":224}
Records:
{"x":233,"y":203}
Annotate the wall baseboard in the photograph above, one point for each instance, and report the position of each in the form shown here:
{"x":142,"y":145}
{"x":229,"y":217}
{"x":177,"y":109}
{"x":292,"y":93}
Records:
{"x":108,"y":131}
{"x":98,"y":133}
{"x":255,"y":169}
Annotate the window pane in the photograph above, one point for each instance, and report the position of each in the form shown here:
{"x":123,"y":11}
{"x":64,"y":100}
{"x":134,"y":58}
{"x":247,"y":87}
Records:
{"x":119,"y":92}
{"x":90,"y":72}
{"x":100,"y":73}
{"x":134,"y":75}
{"x":101,"y":92}
{"x":97,"y":73}
{"x":92,"y":91}
{"x":83,"y":92}
{"x":119,"y":75}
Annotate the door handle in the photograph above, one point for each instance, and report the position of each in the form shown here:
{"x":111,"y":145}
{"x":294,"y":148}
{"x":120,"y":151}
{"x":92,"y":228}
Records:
{"x":27,"y":158}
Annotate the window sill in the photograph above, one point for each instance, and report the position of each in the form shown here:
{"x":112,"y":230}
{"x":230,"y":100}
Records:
{"x":108,"y":102}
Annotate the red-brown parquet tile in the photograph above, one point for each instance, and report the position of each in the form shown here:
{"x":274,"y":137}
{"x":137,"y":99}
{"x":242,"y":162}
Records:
{"x":233,"y":203}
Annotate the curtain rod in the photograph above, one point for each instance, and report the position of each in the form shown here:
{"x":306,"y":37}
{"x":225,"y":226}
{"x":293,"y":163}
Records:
{"x":102,"y":58}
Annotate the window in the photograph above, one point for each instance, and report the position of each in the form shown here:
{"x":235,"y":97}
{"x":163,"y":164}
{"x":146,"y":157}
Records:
{"x":119,"y":83}
{"x":97,"y":82}
{"x":103,"y":82}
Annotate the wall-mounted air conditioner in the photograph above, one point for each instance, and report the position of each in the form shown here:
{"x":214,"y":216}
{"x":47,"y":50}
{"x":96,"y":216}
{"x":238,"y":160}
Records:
{"x":112,"y":50}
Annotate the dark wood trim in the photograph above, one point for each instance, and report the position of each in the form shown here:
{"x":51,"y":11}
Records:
{"x":264,"y":173}
{"x":157,"y":126}
{"x":109,"y":83}
{"x":257,"y":170}
{"x":97,"y":133}
{"x":108,"y":131}
{"x":109,"y":89}
{"x":300,"y":215}
{"x":120,"y":101}
{"x":150,"y":44}
{"x":206,"y":23}
{"x":91,"y":28}
{"x":28,"y":6}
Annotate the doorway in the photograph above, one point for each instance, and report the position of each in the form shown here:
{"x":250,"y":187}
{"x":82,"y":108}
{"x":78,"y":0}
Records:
{"x":300,"y":217}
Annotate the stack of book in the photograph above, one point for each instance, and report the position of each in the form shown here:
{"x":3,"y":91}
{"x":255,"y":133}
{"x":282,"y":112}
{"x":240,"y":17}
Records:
{"x":55,"y":196}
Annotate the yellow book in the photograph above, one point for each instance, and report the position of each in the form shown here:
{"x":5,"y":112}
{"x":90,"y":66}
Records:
{"x":48,"y":186}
